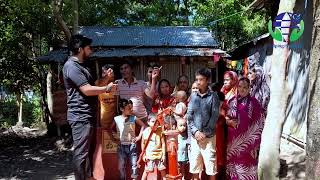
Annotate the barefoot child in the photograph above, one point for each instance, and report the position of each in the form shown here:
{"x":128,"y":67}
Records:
{"x":155,"y":151}
{"x":127,"y":149}
{"x":182,"y":146}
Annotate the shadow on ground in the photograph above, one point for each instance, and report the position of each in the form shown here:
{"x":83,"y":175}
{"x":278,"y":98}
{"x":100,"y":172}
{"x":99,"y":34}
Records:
{"x":292,"y":161}
{"x":31,"y":155}
{"x":35,"y":157}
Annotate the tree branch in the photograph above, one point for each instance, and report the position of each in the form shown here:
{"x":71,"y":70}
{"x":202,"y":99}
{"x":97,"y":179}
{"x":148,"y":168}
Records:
{"x":75,"y":16}
{"x":57,"y":12}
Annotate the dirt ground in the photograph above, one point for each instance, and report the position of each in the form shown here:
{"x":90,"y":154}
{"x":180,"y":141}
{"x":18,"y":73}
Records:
{"x":293,"y":161}
{"x":29,"y":154}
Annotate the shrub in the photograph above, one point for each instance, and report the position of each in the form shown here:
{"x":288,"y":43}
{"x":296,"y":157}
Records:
{"x":31,"y":112}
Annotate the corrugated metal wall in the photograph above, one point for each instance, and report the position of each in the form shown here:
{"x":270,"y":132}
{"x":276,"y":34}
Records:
{"x":298,"y":73}
{"x":172,"y":67}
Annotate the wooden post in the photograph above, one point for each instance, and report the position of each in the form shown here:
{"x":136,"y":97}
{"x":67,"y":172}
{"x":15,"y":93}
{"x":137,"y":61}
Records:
{"x":141,"y":68}
{"x":183,"y":65}
{"x":191,"y":69}
{"x":97,"y":68}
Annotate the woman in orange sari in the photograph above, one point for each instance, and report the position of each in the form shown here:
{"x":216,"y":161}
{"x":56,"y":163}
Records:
{"x":229,"y":89}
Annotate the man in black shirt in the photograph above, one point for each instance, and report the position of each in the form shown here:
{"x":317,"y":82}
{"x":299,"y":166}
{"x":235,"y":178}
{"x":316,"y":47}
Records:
{"x":82,"y":103}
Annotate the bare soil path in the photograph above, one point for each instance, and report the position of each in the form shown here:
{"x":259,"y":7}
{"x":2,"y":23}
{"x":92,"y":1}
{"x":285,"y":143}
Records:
{"x":30,"y":154}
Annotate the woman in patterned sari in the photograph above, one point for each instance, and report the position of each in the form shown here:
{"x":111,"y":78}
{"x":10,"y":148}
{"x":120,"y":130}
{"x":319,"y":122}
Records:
{"x":259,"y":87}
{"x":245,"y":123}
{"x":229,"y":89}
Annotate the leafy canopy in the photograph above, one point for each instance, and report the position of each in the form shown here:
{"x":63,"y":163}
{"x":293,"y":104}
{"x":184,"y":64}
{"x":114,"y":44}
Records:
{"x":25,"y":26}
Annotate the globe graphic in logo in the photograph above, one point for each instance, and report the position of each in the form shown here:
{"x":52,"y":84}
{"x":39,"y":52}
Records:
{"x":288,"y":27}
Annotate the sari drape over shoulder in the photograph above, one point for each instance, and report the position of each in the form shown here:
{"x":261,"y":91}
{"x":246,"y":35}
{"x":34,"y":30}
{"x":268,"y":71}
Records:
{"x":221,"y":127}
{"x":221,"y":134}
{"x":243,"y":142}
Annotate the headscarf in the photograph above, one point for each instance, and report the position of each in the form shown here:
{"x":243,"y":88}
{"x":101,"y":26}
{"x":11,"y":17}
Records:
{"x":229,"y":93}
{"x":259,"y":88}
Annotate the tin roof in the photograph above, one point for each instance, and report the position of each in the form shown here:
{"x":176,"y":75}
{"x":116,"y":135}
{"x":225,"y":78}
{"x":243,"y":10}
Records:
{"x":62,"y":55}
{"x":133,"y":36}
{"x":143,"y":41}
{"x":242,"y":50}
{"x":59,"y":55}
{"x":153,"y":52}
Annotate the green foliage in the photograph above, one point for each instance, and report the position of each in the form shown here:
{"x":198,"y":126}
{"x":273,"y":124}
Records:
{"x":128,"y":12}
{"x":227,"y":19}
{"x":28,"y":29}
{"x":230,"y":21}
{"x":9,"y":113}
{"x":24,"y":26}
{"x":31,"y":112}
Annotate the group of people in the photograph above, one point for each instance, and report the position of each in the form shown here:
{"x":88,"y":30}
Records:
{"x":219,"y":131}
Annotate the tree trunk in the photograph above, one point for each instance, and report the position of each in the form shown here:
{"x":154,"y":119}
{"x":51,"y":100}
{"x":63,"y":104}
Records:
{"x":49,"y":93}
{"x":19,"y":101}
{"x":313,"y":127}
{"x":45,"y":113}
{"x":51,"y":126}
{"x":186,"y":5}
{"x":75,"y":16}
{"x":269,"y":162}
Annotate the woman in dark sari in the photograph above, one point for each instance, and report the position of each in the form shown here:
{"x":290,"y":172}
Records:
{"x":245,"y":121}
{"x":259,"y":87}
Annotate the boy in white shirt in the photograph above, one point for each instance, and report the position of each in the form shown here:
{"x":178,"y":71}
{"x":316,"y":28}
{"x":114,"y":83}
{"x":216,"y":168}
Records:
{"x":127,"y":146}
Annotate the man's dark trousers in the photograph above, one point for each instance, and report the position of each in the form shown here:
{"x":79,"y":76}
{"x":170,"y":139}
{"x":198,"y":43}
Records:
{"x":82,"y":134}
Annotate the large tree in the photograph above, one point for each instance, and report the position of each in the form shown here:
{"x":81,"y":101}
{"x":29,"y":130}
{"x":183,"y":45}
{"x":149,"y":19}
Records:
{"x":313,"y":128}
{"x":283,"y":90}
